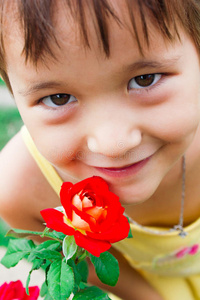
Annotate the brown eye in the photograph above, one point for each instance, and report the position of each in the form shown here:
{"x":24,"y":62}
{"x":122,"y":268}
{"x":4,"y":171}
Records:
{"x":58,"y":100}
{"x":143,"y":81}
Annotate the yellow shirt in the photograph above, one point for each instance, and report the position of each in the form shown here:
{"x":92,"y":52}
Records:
{"x":170,"y":263}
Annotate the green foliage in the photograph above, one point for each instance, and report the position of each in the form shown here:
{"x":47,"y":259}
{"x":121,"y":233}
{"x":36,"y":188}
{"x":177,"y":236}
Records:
{"x":60,"y":280}
{"x":130,"y":231}
{"x":3,"y":229}
{"x":17,"y":249}
{"x":11,"y":122}
{"x":44,"y":292}
{"x":130,"y":234}
{"x":19,"y":233}
{"x":64,"y":276}
{"x":93,"y":293}
{"x":69,"y":247}
{"x":1,"y":82}
{"x":106,"y":267}
{"x":77,"y":276}
{"x":37,"y":264}
{"x":83,"y":270}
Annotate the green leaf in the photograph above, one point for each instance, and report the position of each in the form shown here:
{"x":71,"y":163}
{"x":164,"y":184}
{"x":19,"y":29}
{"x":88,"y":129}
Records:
{"x":130,"y":235}
{"x":44,"y":289}
{"x":83,"y":285}
{"x":27,"y":283}
{"x":48,"y":297}
{"x":19,"y":233}
{"x":36,"y":265}
{"x":77,"y":276}
{"x":58,"y":235}
{"x":106,"y":267}
{"x":17,"y":249}
{"x":130,"y":232}
{"x":47,"y":250}
{"x":45,"y":254}
{"x":83,"y":270}
{"x":69,"y":247}
{"x":50,"y":245}
{"x":60,"y":280}
{"x":93,"y":293}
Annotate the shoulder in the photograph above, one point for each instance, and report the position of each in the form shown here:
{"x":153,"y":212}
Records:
{"x":23,"y":189}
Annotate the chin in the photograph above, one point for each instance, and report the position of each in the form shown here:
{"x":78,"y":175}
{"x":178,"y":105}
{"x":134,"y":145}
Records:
{"x":129,"y":197}
{"x":140,"y":190}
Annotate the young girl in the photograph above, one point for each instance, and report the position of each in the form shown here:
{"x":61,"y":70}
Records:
{"x":110,"y":88}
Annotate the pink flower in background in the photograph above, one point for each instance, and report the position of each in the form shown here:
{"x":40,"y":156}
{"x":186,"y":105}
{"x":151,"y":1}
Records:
{"x":15,"y":291}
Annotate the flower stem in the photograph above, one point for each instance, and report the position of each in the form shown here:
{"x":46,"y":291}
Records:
{"x":81,"y":257}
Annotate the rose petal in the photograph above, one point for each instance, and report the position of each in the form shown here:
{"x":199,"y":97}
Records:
{"x":95,"y":184}
{"x":17,"y":288}
{"x":55,"y":220}
{"x":88,"y":219}
{"x":96,"y":212}
{"x":79,"y":223}
{"x":92,"y":208}
{"x":114,"y":211}
{"x":2,"y":289}
{"x":13,"y":290}
{"x":95,"y":247}
{"x":86,"y":203}
{"x":6,"y":292}
{"x":115,"y":233}
{"x":76,"y":201}
{"x":98,"y":185}
{"x":65,"y":197}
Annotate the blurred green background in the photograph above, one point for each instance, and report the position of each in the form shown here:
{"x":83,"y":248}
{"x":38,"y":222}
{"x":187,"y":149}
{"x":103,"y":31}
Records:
{"x":1,"y":82}
{"x":10,"y":122}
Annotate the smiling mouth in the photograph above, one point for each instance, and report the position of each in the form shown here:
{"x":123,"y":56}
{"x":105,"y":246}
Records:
{"x":122,"y":168}
{"x":126,"y":170}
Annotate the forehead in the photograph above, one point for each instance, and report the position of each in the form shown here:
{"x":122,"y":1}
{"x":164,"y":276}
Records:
{"x":70,"y":28}
{"x":77,"y":67}
{"x":68,"y":48}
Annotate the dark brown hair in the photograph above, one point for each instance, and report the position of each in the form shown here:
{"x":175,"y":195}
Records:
{"x":37,"y":22}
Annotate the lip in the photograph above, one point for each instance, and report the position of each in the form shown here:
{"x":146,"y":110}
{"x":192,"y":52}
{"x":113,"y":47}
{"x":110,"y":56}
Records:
{"x":124,"y":171}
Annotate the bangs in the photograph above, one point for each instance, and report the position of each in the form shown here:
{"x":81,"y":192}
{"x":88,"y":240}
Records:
{"x":37,"y":20}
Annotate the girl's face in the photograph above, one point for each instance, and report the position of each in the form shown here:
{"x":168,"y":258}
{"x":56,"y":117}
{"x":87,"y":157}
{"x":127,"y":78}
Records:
{"x":128,"y":118}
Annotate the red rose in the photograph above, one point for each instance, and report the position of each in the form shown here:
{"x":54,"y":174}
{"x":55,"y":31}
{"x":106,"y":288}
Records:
{"x":91,"y":213}
{"x":15,"y":290}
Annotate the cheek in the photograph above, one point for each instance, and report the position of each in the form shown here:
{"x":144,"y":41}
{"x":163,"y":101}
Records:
{"x":58,"y":146}
{"x":175,"y":121}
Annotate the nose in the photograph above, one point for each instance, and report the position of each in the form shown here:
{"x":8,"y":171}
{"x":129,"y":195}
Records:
{"x":114,"y":137}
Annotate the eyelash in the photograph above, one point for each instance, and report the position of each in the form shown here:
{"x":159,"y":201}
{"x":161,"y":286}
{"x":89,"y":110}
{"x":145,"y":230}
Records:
{"x":60,"y":96}
{"x":138,"y":90}
{"x":155,"y":83}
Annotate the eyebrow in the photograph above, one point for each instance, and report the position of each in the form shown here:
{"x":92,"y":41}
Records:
{"x":153,"y":64}
{"x":39,"y":86}
{"x":143,"y":64}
